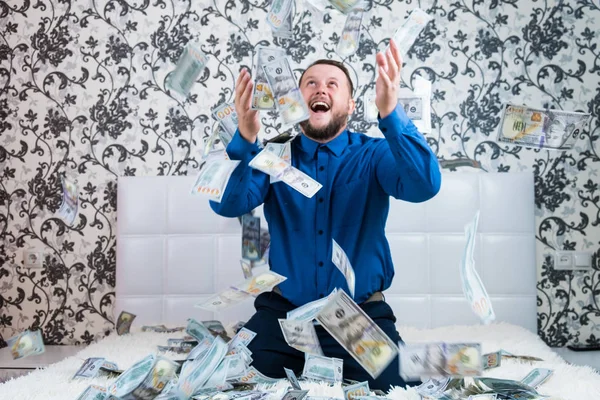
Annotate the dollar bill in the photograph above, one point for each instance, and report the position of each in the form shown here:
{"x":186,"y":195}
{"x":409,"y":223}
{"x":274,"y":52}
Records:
{"x":509,"y":356}
{"x":301,"y":335}
{"x":354,"y":391}
{"x":298,"y":180}
{"x":25,"y":344}
{"x":213,"y":178}
{"x":70,"y":203}
{"x":485,"y":396}
{"x":370,"y":111}
{"x":145,"y":379}
{"x":537,"y":128}
{"x":537,"y":377}
{"x":261,"y":283}
{"x":182,"y":342}
{"x":111,"y":368}
{"x":262,"y":96}
{"x":198,"y":331}
{"x":409,"y":31}
{"x":295,"y":395}
{"x":323,"y":368}
{"x":237,"y":367}
{"x":285,"y":31}
{"x":345,"y":6}
{"x":254,"y":376}
{"x":269,"y":163}
{"x":473,"y":288}
{"x":440,"y":359}
{"x":291,"y":376}
{"x":189,"y":67}
{"x":227,"y":117}
{"x":184,"y":349}
{"x":280,"y":9}
{"x":244,"y":336}
{"x":432,"y":387}
{"x":219,"y":376}
{"x":350,"y":37}
{"x":250,"y":237}
{"x":214,"y":326}
{"x":309,"y":311}
{"x":357,"y":333}
{"x":197,"y":372}
{"x":492,"y":360}
{"x":161,"y":329}
{"x":340,"y":260}
{"x":288,"y":98}
{"x":281,"y":150}
{"x":243,"y":351}
{"x":453,"y":164}
{"x":413,"y":107}
{"x":247,"y":268}
{"x":93,"y":392}
{"x":89,"y":368}
{"x":224,"y":299}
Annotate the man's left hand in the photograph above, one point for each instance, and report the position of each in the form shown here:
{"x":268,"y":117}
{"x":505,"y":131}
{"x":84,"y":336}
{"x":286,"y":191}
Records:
{"x":388,"y":81}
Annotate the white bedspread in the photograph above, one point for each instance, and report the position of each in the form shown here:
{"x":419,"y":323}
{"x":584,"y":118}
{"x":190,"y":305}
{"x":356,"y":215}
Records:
{"x":568,"y":382}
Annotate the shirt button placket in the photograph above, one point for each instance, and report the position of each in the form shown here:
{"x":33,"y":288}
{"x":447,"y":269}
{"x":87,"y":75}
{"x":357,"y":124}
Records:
{"x":320,"y":240}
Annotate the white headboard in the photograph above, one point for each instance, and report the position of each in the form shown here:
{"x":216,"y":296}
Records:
{"x":174,"y":251}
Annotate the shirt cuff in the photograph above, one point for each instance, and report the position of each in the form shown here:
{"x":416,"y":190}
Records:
{"x":240,"y":149}
{"x":397,"y":118}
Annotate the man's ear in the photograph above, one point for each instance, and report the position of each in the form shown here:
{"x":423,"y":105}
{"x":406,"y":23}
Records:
{"x":351,"y":106}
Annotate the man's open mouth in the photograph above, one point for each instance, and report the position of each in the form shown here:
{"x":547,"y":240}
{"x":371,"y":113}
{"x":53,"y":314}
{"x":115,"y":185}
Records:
{"x":320,"y":107}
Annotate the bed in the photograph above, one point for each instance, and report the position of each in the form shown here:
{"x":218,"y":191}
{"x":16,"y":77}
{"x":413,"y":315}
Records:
{"x":173,"y":252}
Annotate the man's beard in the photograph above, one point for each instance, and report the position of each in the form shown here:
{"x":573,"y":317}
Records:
{"x":328,"y":131}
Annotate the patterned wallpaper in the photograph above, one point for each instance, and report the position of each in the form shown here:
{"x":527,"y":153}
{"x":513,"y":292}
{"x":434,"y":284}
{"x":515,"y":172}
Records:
{"x":82,"y":93}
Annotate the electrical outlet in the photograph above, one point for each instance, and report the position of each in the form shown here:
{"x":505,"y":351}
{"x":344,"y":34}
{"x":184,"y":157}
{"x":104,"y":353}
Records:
{"x":582,"y":260}
{"x":563,"y":260}
{"x":572,"y":260}
{"x":33,"y":258}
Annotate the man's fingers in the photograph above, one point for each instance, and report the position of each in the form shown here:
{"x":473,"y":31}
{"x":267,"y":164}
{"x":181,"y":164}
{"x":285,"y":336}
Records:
{"x":240,"y":85}
{"x":392,"y":65}
{"x":381,"y":61}
{"x":396,"y":53}
{"x":246,"y":96}
{"x":384,"y":77}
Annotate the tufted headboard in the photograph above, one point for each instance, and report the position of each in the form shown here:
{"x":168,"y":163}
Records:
{"x":174,"y":251}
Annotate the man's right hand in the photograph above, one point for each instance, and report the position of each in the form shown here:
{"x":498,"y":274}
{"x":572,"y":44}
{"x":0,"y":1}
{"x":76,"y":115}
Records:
{"x":248,"y":119}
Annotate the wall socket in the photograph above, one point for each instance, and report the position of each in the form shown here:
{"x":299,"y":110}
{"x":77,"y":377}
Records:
{"x":573,"y":260}
{"x":33,"y":258}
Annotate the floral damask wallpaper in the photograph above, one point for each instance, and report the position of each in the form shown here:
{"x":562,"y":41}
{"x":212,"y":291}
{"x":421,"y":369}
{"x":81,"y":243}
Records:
{"x":82,"y":93}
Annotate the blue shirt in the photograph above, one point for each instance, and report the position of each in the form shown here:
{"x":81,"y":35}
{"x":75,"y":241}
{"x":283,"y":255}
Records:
{"x":359,"y":174}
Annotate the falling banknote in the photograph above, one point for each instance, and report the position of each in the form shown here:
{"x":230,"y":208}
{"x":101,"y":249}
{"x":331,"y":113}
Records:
{"x":213,"y":177}
{"x":340,"y":260}
{"x":281,"y":150}
{"x":191,"y":63}
{"x":288,"y":98}
{"x":323,"y":368}
{"x":124,"y":322}
{"x":225,"y":299}
{"x":285,"y":30}
{"x":471,"y":283}
{"x":26,"y":343}
{"x":278,"y":12}
{"x":301,"y":335}
{"x":406,"y":35}
{"x":536,"y":128}
{"x":227,"y":117}
{"x":68,"y":209}
{"x":440,"y":359}
{"x":148,"y":376}
{"x":262,"y":96}
{"x":348,"y":43}
{"x":250,"y":237}
{"x":345,"y":6}
{"x":352,"y":392}
{"x":357,"y":333}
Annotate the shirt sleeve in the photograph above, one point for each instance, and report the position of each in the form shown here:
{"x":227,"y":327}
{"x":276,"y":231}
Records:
{"x":405,"y":166}
{"x":247,"y":187}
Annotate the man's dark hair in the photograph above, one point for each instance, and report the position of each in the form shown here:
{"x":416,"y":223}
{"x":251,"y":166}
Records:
{"x":335,"y":64}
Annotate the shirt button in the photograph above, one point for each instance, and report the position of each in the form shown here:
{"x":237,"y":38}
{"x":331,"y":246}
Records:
{"x":321,"y":295}
{"x":320,"y":231}
{"x":383,"y":129}
{"x":320,"y":263}
{"x":321,"y":199}
{"x":321,"y":168}
{"x":253,"y":152}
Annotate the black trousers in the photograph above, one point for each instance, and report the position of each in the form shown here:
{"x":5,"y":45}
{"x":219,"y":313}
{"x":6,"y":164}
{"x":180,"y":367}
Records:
{"x":271,"y":353}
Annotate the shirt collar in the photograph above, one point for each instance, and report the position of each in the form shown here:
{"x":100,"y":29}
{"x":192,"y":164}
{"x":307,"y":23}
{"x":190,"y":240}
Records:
{"x":336,"y":146}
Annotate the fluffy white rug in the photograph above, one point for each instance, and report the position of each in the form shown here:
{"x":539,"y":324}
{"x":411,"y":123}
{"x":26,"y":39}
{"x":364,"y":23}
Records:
{"x":568,"y":382}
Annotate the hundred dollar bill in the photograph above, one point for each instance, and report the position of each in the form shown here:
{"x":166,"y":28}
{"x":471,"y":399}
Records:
{"x":93,"y":392}
{"x":288,"y":98}
{"x":213,"y":178}
{"x":281,"y":150}
{"x":224,"y":299}
{"x":354,"y":391}
{"x":370,"y":111}
{"x":406,"y":35}
{"x":191,"y":63}
{"x":285,"y":31}
{"x":26,"y":343}
{"x":161,"y":329}
{"x":250,"y":237}
{"x":260,"y":283}
{"x":219,"y":376}
{"x":262,"y":96}
{"x":197,"y":372}
{"x":183,"y":349}
{"x":323,"y":368}
{"x":246,"y":268}
{"x":413,"y":107}
{"x":471,"y":283}
{"x":432,"y":387}
{"x":301,"y":335}
{"x":440,"y":359}
{"x":309,"y":311}
{"x":491,"y":360}
{"x":244,"y":336}
{"x":198,"y":331}
{"x":345,"y":6}
{"x":291,"y":376}
{"x":531,"y":127}
{"x":340,"y":260}
{"x":357,"y":333}
{"x":89,"y":368}
{"x":280,"y":9}
{"x":295,"y":395}
{"x":269,"y":163}
{"x":227,"y":117}
{"x":254,"y":376}
{"x":145,"y":379}
{"x":243,"y":351}
{"x":536,"y":377}
{"x":182,"y":342}
{"x":350,"y":37}
{"x":70,"y":204}
{"x":237,"y":367}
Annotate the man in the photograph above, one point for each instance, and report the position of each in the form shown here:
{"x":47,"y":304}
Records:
{"x":358,"y":174}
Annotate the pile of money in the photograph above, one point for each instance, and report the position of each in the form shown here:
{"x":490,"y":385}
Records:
{"x":352,"y":328}
{"x":471,"y":283}
{"x":440,"y":359}
{"x":91,"y":367}
{"x":25,"y":344}
{"x":191,"y":63}
{"x":536,"y":128}
{"x":262,"y":95}
{"x":479,"y":388}
{"x":70,"y":203}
